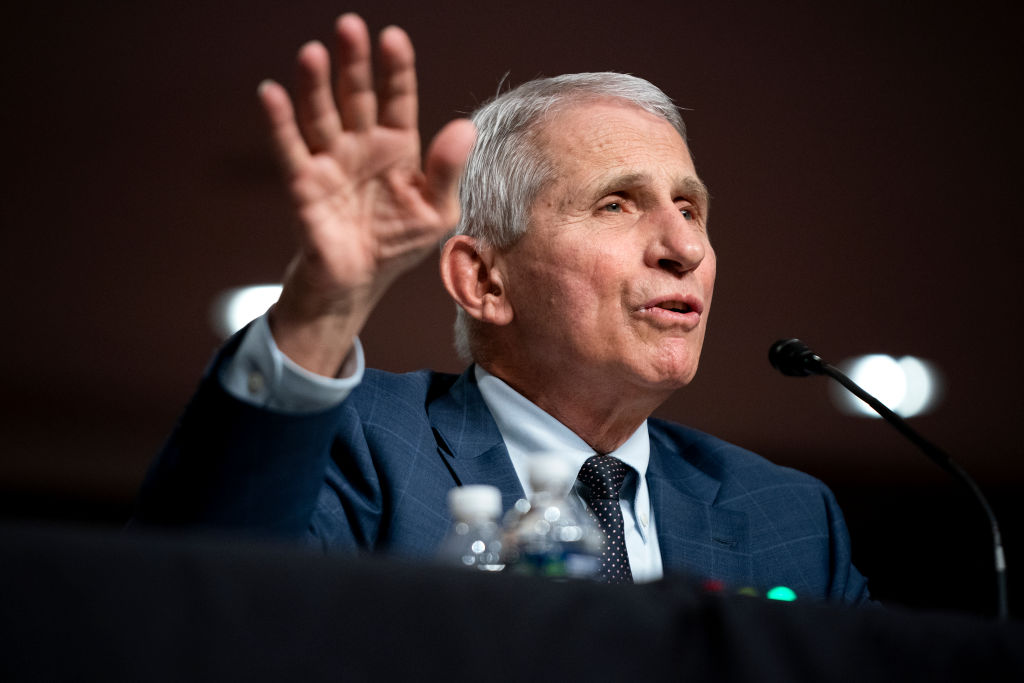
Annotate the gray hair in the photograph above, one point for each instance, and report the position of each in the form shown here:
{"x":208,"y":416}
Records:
{"x":507,"y":167}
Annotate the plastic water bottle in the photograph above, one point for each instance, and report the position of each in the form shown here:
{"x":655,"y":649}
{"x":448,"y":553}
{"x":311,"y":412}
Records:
{"x":553,"y":536}
{"x":475,"y":539}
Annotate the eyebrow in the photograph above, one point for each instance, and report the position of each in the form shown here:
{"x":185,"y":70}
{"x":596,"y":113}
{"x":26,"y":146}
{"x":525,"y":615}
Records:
{"x":697,"y":192}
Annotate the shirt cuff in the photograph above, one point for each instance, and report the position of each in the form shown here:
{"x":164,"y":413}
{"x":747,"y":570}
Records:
{"x":261,"y":375}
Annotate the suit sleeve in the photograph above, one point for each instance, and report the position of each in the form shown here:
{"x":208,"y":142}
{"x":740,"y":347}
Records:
{"x":231,"y":465}
{"x":847,"y":586}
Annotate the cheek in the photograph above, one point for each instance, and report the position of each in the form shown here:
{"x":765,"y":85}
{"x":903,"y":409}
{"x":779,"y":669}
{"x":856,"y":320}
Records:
{"x":597,"y":287}
{"x":709,"y":273}
{"x":552,"y":301}
{"x":580,"y":280}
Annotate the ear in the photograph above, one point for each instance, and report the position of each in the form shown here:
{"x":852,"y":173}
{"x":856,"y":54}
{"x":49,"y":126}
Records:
{"x":473,"y":276}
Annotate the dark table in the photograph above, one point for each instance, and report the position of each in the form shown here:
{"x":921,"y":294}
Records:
{"x":80,"y":604}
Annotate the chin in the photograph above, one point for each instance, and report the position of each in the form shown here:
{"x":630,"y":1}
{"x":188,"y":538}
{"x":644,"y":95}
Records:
{"x":668,"y":379}
{"x":672,"y":370}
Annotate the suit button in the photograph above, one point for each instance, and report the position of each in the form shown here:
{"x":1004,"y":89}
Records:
{"x":256,"y":383}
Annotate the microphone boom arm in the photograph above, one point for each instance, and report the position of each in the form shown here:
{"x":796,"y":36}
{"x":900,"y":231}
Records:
{"x":793,"y":358}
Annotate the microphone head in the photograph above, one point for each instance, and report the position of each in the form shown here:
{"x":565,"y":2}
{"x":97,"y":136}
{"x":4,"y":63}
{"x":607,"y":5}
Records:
{"x":793,"y":358}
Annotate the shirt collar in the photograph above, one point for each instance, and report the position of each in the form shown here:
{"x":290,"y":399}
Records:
{"x":528,"y":430}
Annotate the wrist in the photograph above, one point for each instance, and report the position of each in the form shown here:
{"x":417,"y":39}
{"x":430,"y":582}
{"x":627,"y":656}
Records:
{"x":318,"y":342}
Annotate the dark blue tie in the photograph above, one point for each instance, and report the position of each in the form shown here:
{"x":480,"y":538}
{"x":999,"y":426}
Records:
{"x":601,"y":479}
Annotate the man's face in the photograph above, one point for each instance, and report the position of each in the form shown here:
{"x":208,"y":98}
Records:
{"x":612,"y":282}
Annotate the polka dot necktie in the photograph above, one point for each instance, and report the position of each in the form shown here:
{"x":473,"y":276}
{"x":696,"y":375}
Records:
{"x":601,"y":479}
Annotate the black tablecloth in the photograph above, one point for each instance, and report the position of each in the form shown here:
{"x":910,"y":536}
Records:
{"x":96,"y":605}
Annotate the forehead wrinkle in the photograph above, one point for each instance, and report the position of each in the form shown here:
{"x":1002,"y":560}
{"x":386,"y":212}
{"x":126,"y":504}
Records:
{"x":597,"y":156}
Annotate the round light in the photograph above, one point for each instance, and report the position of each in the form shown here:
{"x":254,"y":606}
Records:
{"x":923,"y":386}
{"x":235,"y":308}
{"x":908,"y":386}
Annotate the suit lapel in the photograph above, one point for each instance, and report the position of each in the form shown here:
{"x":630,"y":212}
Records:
{"x":695,"y":535}
{"x":469,"y":442}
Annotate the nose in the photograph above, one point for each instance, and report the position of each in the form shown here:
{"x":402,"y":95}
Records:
{"x":677,"y":244}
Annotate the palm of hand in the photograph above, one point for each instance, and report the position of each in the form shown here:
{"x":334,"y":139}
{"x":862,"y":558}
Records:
{"x":364,"y":207}
{"x":366,"y":210}
{"x":351,"y":154}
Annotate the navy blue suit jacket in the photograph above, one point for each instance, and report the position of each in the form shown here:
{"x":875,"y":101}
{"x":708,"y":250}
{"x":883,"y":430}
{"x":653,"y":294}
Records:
{"x":373,"y":474}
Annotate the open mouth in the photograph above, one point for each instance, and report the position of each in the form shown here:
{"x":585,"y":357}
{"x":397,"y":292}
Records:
{"x":675,"y":306}
{"x":685,"y":308}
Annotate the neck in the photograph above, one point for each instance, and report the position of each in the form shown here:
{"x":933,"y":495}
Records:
{"x":604,"y":420}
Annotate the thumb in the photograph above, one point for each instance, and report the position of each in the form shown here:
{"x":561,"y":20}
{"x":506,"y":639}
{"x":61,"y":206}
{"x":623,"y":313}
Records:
{"x":446,"y":158}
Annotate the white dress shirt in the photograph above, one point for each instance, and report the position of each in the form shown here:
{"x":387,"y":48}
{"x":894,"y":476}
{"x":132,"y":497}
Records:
{"x":528,"y":431}
{"x":262,"y":375}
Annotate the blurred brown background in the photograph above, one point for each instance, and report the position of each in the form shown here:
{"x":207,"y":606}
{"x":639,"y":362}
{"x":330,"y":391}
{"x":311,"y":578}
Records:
{"x":863,"y":159}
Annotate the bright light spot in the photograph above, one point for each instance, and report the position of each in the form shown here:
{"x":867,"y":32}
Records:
{"x":236,"y":308}
{"x":908,"y":386}
{"x":882,"y":377}
{"x":923,"y":387}
{"x":781,"y":593}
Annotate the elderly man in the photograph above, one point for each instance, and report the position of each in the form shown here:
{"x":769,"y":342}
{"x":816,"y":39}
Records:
{"x":583,"y":275}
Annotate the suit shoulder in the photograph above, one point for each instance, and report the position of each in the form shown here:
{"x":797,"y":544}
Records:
{"x":398,"y":393}
{"x":721,"y":459}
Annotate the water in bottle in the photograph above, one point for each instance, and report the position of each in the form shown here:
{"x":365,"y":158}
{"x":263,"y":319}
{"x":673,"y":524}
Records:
{"x":553,"y":535}
{"x":475,"y":538}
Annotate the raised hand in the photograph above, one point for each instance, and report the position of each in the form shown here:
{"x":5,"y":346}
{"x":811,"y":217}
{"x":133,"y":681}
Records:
{"x":368,"y":211}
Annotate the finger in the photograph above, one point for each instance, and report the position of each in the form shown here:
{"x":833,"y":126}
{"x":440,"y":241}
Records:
{"x":354,"y":82}
{"x":289,"y":146}
{"x":396,"y":85}
{"x":317,"y":114}
{"x":445,"y":162}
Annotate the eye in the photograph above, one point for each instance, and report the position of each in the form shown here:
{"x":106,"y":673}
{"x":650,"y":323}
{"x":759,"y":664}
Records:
{"x":614,"y":207}
{"x":688,"y":209}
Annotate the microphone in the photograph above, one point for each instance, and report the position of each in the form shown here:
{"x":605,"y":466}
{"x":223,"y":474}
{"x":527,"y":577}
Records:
{"x":793,"y":358}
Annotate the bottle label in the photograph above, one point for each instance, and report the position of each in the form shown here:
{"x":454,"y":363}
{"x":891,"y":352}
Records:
{"x":560,"y":564}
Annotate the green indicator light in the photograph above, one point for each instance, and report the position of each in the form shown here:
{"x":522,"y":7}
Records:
{"x":748,"y":591}
{"x":781,"y":593}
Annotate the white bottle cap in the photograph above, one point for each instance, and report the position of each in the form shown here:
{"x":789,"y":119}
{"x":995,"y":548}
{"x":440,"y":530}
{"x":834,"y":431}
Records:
{"x":478,"y":501}
{"x":550,"y":473}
